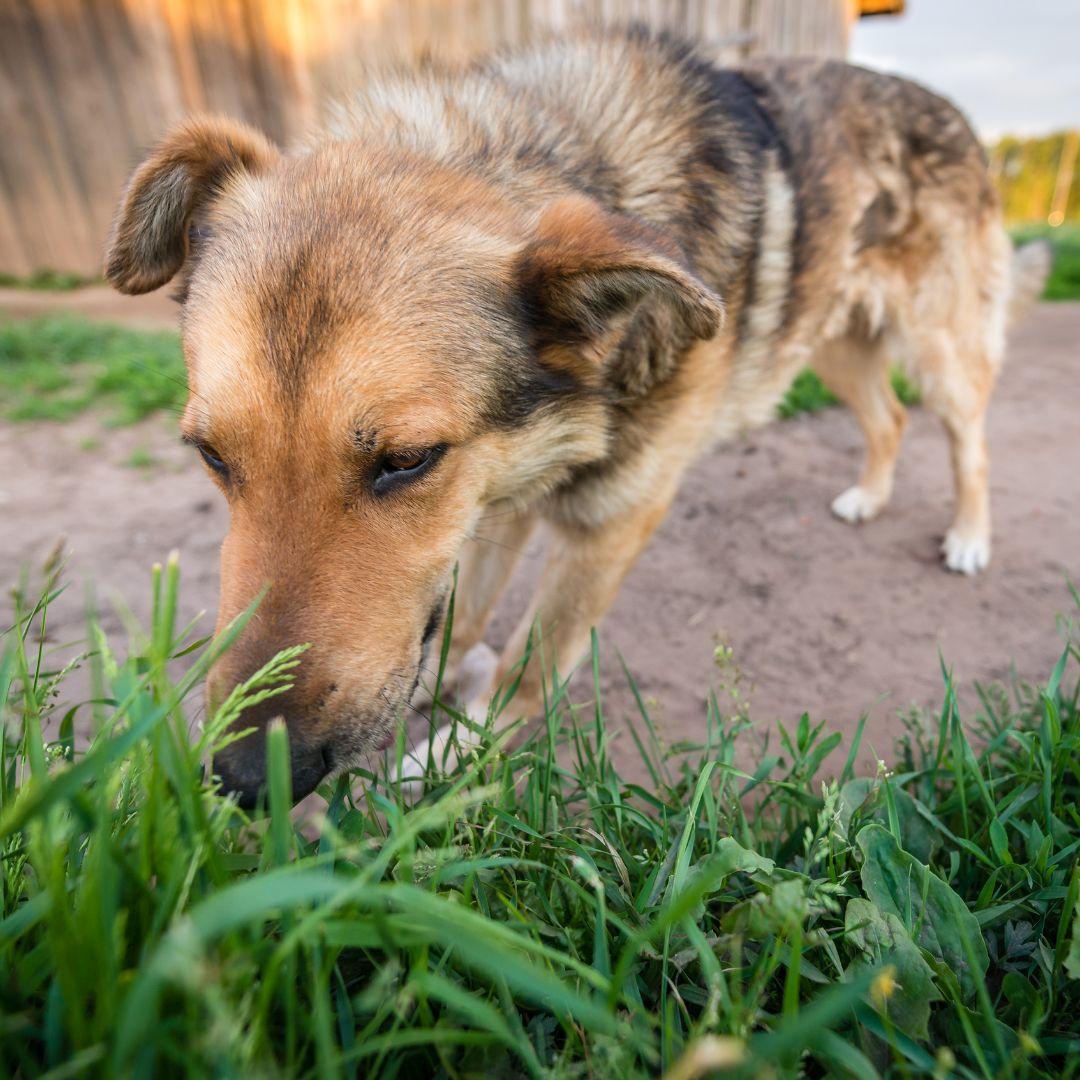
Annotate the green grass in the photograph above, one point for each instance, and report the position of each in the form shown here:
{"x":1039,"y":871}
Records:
{"x":531,"y":913}
{"x":141,"y":457}
{"x":47,"y":280}
{"x":808,"y":394}
{"x":55,"y":367}
{"x":1064,"y":282}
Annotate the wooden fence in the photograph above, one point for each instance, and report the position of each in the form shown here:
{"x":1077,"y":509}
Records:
{"x":87,"y":85}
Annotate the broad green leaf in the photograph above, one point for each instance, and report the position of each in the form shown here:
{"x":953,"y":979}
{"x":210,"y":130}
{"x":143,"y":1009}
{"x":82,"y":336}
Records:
{"x":936,"y":917}
{"x":777,"y":911}
{"x":866,"y":795}
{"x":729,"y":857}
{"x":883,"y":940}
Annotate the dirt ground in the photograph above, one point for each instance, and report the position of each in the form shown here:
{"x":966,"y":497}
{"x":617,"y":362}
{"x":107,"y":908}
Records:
{"x":821,"y":616}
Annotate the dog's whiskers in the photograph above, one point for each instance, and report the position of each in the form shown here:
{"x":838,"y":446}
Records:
{"x":516,"y":550}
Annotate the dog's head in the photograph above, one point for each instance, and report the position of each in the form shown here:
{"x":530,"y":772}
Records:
{"x":379,"y":347}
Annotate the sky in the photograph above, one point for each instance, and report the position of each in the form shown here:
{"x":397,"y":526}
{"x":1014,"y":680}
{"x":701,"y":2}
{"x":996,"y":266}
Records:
{"x":1013,"y":66}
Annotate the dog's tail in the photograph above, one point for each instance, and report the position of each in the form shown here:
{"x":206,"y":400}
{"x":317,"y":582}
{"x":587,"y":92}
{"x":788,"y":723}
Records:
{"x":1031,"y":265}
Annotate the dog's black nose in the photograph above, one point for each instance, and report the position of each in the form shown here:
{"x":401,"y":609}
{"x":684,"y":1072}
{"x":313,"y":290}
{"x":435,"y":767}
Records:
{"x":242,"y":769}
{"x":245,"y":784}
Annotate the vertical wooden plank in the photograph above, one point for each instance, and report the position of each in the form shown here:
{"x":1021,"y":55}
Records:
{"x":177,"y":17}
{"x":222,"y":44}
{"x":97,"y":142}
{"x":766,"y":27}
{"x":24,"y":164}
{"x":144,"y":67}
{"x":14,"y":258}
{"x":143,"y":103}
{"x":721,"y":23}
{"x":277,"y":56}
{"x":320,"y":67}
{"x":50,"y":208}
{"x":259,"y":67}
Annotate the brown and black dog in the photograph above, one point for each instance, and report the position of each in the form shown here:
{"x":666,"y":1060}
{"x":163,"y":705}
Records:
{"x":537,"y":288}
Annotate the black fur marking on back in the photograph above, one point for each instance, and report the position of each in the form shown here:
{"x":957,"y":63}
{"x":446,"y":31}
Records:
{"x":740,"y":133}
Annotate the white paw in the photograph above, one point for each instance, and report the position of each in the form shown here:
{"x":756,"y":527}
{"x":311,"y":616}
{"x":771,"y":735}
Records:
{"x":437,"y":749}
{"x":414,"y":762}
{"x":476,"y":672}
{"x":965,"y":554}
{"x":856,"y":504}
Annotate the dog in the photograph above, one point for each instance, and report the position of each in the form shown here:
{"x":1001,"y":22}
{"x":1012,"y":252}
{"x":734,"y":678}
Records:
{"x":537,"y":287}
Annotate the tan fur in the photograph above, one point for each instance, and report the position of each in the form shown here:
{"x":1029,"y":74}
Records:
{"x":560,"y":275}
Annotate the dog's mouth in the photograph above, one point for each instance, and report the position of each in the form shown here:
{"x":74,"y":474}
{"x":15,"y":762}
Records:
{"x":329,"y":761}
{"x":426,"y":641}
{"x":433,"y":621}
{"x":374,"y":733}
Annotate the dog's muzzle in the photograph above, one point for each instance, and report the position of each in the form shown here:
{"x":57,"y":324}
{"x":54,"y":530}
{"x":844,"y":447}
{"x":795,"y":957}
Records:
{"x":242,"y":768}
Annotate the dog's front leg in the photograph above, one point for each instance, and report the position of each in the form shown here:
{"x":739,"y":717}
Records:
{"x":581,"y":577}
{"x":584,"y":569}
{"x":486,"y":562}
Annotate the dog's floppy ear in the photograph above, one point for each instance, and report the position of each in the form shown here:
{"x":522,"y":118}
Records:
{"x":610,"y":284}
{"x":182,"y":175}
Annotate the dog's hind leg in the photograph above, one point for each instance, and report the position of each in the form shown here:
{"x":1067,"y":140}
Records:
{"x":956,"y":387}
{"x":958,"y":343}
{"x":856,"y":370}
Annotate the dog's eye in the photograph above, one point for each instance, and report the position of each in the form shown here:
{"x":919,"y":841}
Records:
{"x":210,"y":456}
{"x":402,"y":467}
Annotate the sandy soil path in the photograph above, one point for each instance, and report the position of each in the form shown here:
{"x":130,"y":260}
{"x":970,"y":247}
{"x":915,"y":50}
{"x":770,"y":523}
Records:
{"x":153,"y":311}
{"x":821,"y":616}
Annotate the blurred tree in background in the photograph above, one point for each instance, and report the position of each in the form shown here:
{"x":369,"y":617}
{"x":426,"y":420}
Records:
{"x":1039,"y":178}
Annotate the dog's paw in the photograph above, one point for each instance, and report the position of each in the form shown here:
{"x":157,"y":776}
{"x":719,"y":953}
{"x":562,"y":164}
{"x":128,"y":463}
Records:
{"x":856,"y":504}
{"x":965,"y":554}
{"x":476,"y":673}
{"x":415,"y":762}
